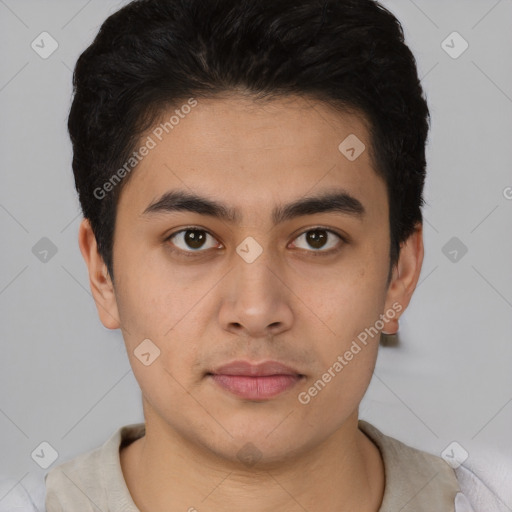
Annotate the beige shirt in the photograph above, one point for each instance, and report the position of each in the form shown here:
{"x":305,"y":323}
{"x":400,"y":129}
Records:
{"x":416,"y":481}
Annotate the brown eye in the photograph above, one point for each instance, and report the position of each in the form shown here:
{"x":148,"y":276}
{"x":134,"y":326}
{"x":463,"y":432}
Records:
{"x":320,"y":239}
{"x":192,"y":240}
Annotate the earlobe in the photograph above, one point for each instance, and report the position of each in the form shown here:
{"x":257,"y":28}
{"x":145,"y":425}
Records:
{"x":405,"y":277}
{"x":101,"y":285}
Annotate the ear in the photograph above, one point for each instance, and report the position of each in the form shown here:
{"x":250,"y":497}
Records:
{"x":100,"y":283}
{"x":404,"y":277}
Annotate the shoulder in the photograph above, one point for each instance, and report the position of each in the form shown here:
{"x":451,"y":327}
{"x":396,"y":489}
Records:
{"x":481,"y":484}
{"x":75,"y":483}
{"x":414,"y":480}
{"x":88,"y":481}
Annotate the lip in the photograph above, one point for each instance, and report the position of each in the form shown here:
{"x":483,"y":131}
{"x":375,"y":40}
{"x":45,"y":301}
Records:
{"x":248,"y":369}
{"x":255,"y":381}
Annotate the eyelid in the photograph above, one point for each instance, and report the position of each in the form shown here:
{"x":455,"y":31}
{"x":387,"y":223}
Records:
{"x":319,"y":227}
{"x":320,"y":252}
{"x":184,"y":229}
{"x":344,"y":239}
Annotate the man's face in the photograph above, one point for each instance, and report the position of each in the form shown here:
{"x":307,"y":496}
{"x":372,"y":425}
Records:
{"x":209,"y":297}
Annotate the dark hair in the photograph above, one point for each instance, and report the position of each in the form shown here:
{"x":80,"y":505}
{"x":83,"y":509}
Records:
{"x":151,"y":54}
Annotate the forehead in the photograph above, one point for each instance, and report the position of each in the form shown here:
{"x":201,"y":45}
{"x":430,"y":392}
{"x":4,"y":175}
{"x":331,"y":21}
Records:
{"x":252,"y":152}
{"x":239,"y":124}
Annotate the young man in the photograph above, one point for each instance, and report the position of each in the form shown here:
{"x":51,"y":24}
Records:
{"x":251,"y":178}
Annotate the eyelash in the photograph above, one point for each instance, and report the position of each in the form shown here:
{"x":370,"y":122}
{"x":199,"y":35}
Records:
{"x":192,"y":254}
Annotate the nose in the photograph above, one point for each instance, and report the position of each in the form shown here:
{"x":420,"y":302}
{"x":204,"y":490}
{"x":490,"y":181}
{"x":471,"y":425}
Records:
{"x":256,"y":297}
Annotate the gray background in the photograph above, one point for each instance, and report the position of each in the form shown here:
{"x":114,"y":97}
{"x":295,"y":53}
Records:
{"x":66,"y":380}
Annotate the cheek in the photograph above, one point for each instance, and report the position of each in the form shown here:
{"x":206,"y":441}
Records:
{"x":154,"y":299}
{"x":163,"y":364}
{"x":159,"y":346}
{"x":349,"y":307}
{"x":348,"y":301}
{"x":336,"y":393}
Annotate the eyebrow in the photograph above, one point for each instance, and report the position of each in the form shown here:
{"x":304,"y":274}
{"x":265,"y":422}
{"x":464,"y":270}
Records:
{"x":338,"y":201}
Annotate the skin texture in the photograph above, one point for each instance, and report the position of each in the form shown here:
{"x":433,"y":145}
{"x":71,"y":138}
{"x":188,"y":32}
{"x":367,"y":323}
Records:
{"x":288,"y":305}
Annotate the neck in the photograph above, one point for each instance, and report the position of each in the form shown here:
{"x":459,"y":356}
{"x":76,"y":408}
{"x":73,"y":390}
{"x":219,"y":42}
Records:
{"x":344,"y":473}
